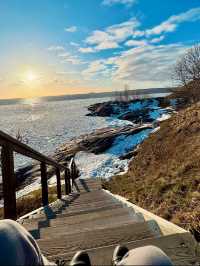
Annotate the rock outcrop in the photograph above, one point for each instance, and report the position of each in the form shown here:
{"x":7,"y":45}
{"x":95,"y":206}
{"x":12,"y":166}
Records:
{"x":96,"y":142}
{"x":136,"y":111}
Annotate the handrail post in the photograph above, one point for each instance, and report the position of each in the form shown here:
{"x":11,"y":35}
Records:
{"x":9,"y":182}
{"x":45,"y":200}
{"x":67,"y":182}
{"x":59,"y":192}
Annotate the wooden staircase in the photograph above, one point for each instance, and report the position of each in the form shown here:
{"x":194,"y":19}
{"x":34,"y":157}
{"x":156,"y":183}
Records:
{"x":93,"y":220}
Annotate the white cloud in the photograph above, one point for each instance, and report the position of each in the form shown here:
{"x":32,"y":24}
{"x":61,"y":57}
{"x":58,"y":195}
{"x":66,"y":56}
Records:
{"x":66,"y":54}
{"x":56,"y":48}
{"x":156,"y":40}
{"x":112,"y":36}
{"x":86,"y":50}
{"x":125,"y":2}
{"x":149,"y":64}
{"x":72,"y":60}
{"x":69,"y":58}
{"x":74,"y":44}
{"x":172,"y":23}
{"x":104,"y":45}
{"x":136,"y":43}
{"x":71,"y":29}
{"x":94,"y":68}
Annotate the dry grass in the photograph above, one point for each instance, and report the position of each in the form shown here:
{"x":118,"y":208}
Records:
{"x":164,"y":176}
{"x":188,"y":94}
{"x":33,"y":201}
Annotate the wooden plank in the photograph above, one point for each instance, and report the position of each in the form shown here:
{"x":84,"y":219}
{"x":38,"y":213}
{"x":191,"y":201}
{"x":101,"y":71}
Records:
{"x":73,"y":212}
{"x":84,"y":218}
{"x":25,"y":150}
{"x":78,"y":219}
{"x":95,"y":238}
{"x":44,"y":183}
{"x":181,"y":248}
{"x":49,"y":219}
{"x":94,"y":224}
{"x":67,"y":182}
{"x":9,"y":182}
{"x":59,"y":192}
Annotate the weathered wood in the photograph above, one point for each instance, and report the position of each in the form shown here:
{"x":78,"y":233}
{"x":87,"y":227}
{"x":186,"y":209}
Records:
{"x":25,"y":150}
{"x":9,"y":182}
{"x":44,"y":184}
{"x":95,"y":238}
{"x":11,"y":145}
{"x":181,"y":249}
{"x":67,"y":182}
{"x":59,"y":192}
{"x":96,"y":222}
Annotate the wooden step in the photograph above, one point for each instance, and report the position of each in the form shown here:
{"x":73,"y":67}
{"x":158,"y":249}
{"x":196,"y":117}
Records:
{"x":72,"y":215}
{"x":95,"y":238}
{"x":89,"y":209}
{"x":77,"y":219}
{"x":92,"y":194}
{"x":86,"y":185}
{"x":83,"y":205}
{"x":181,"y":248}
{"x":102,"y":214}
{"x":100,"y":223}
{"x":75,"y":200}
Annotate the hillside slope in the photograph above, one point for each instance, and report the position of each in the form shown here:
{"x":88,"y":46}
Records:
{"x":164,"y":176}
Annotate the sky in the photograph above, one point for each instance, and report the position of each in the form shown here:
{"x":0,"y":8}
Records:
{"x":55,"y":47}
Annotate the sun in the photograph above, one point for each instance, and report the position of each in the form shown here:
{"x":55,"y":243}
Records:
{"x":30,"y":76}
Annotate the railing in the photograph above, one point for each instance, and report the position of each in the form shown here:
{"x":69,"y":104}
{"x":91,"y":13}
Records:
{"x":9,"y":146}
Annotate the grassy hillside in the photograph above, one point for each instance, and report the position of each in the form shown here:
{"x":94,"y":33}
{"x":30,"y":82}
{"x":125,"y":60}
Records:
{"x":164,"y":176}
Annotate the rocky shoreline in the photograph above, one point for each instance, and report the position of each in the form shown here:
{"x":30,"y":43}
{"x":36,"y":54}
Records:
{"x":143,"y":114}
{"x":135,"y":111}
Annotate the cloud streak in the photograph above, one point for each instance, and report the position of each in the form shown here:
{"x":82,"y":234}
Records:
{"x":171,"y":24}
{"x":124,"y":2}
{"x":71,"y":29}
{"x":56,"y":48}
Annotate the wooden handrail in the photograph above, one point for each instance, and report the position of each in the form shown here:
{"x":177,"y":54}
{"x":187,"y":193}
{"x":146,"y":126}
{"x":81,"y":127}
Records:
{"x":25,"y":150}
{"x":11,"y":145}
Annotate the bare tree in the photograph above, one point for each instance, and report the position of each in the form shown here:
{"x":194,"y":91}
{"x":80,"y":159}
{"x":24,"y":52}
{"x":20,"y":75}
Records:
{"x":21,"y":137}
{"x":187,"y":68}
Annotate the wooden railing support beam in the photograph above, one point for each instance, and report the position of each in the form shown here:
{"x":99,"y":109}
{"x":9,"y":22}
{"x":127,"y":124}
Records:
{"x":67,"y":182}
{"x":9,"y":182}
{"x":59,"y":191}
{"x":45,"y":200}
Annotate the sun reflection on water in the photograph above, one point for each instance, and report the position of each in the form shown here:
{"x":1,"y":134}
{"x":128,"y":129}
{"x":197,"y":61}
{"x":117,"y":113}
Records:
{"x":31,"y":101}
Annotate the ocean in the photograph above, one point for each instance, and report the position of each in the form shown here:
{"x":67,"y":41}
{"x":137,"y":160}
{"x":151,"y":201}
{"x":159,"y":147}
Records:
{"x":45,"y":124}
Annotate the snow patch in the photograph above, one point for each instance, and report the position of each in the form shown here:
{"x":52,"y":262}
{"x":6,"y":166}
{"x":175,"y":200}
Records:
{"x":164,"y":117}
{"x":108,"y":164}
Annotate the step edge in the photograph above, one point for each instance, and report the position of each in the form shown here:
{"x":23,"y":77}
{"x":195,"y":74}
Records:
{"x":167,"y":228}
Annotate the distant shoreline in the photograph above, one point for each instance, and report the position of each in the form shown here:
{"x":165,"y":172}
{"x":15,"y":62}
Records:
{"x":87,"y":96}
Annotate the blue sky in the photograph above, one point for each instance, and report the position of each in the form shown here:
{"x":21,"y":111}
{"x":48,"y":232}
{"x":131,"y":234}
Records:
{"x":52,"y":47}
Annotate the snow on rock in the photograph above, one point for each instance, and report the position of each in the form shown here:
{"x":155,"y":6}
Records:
{"x":108,"y":164}
{"x":164,"y":117}
{"x":114,"y":122}
{"x":29,"y":188}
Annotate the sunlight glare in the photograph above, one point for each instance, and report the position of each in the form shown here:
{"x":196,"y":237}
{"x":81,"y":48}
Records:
{"x":31,"y":76}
